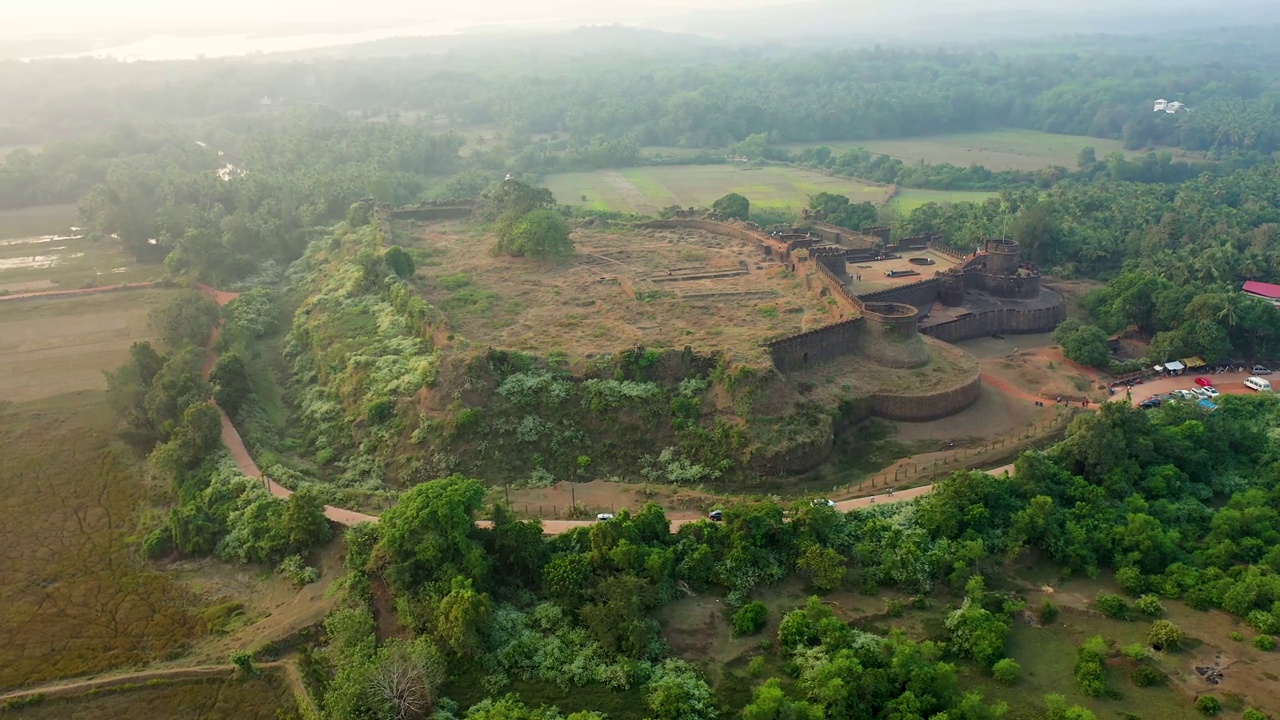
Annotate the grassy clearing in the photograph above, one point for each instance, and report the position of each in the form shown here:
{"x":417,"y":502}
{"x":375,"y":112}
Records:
{"x":1047,"y":656}
{"x":908,"y":199}
{"x":1008,"y":149}
{"x":77,"y":598}
{"x":62,"y":345}
{"x":263,"y":698}
{"x":647,"y":190}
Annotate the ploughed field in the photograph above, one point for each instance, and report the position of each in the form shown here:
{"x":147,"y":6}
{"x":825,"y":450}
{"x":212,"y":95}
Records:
{"x":260,"y":698}
{"x":621,"y":288}
{"x":59,"y":345}
{"x":646,"y":190}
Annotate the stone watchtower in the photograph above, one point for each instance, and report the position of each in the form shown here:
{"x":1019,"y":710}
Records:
{"x":1002,"y":257}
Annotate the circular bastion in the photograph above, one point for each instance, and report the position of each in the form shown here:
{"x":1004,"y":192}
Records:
{"x":890,"y":336}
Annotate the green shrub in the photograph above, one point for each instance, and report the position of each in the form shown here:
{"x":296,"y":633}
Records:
{"x":1265,"y":642}
{"x":1164,"y":635}
{"x":893,"y":607}
{"x":1006,"y":671}
{"x":298,"y":572}
{"x":1090,"y":668}
{"x":1147,"y":676}
{"x":243,"y":661}
{"x":1208,"y":705}
{"x":1113,"y":606}
{"x":1150,"y":606}
{"x":217,"y":618}
{"x":159,"y":542}
{"x":1252,"y":714}
{"x":1048,"y":611}
{"x":1236,"y":636}
{"x":750,"y":619}
{"x":756,"y":667}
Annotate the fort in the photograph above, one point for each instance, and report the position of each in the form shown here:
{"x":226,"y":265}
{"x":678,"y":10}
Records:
{"x":986,"y":292}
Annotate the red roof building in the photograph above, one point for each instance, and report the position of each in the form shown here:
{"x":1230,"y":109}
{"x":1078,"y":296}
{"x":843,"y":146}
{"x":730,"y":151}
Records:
{"x":1264,"y":291}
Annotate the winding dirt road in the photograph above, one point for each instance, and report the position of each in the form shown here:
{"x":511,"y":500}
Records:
{"x":235,"y":444}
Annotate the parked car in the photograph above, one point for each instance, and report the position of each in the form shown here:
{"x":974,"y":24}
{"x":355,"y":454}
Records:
{"x":716,"y":516}
{"x":1260,"y":370}
{"x":1207,"y":405}
{"x":1184,"y":394}
{"x":1258,"y":384}
{"x":1150,"y":403}
{"x":1213,"y":391}
{"x":823,"y":501}
{"x":604,"y":516}
{"x":1200,"y":393}
{"x":1203,"y":381}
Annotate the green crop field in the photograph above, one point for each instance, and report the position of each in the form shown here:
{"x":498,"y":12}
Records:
{"x":647,"y":190}
{"x":908,"y":199}
{"x":1008,"y":149}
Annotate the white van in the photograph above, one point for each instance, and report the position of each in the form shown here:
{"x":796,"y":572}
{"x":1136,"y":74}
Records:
{"x":1257,"y":383}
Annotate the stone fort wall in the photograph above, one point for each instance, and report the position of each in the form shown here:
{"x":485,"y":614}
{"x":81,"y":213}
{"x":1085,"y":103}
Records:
{"x":1004,"y":320}
{"x":926,"y":406}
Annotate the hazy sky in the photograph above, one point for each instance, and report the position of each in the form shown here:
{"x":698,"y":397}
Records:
{"x":78,"y":16}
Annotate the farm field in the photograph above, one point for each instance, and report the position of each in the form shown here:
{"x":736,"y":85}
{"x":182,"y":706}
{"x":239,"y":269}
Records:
{"x":77,"y":598}
{"x":54,"y":346}
{"x":263,"y":698}
{"x":1008,"y":149}
{"x":647,"y":190}
{"x":39,"y":251}
{"x":908,"y":199}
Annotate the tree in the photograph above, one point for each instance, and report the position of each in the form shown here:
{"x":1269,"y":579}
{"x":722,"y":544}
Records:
{"x":541,"y":234}
{"x":770,"y":702}
{"x":677,"y":693}
{"x":824,"y":567}
{"x":1208,"y":705}
{"x":461,"y":616}
{"x":1086,"y":157}
{"x":231,"y":385}
{"x":198,"y":435}
{"x":750,"y":618}
{"x":976,"y":632}
{"x":1087,"y":346}
{"x":616,"y":615}
{"x":304,"y":522}
{"x":185,"y":318}
{"x":1058,"y":709}
{"x":1164,"y":635}
{"x":400,"y":262}
{"x":837,"y":210}
{"x":732,"y":207}
{"x":428,"y":537}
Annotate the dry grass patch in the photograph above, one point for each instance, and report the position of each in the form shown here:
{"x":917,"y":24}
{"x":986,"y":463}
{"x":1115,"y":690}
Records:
{"x":266,"y":697}
{"x":661,"y":289}
{"x":76,"y":596}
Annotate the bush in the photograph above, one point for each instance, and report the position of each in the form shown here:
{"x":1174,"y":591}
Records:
{"x":1113,"y":606}
{"x":893,"y":607}
{"x":1164,"y":635}
{"x":1090,"y":669}
{"x":1147,"y":676}
{"x":158,"y":542}
{"x":244,"y":663}
{"x":1265,"y":642}
{"x":1006,"y":671}
{"x":1252,"y":714}
{"x":1236,"y":636}
{"x":1150,"y":606}
{"x":541,"y":234}
{"x":298,"y":572}
{"x":1208,"y":705}
{"x":1048,"y":611}
{"x":750,"y":619}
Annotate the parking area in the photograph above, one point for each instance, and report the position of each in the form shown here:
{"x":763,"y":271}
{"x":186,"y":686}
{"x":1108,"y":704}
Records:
{"x":1224,"y":383}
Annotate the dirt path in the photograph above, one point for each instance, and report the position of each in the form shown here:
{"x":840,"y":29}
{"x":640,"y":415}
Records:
{"x":79,"y":291}
{"x":69,"y":688}
{"x":235,"y":444}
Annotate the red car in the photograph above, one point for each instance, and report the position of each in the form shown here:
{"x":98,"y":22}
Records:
{"x":1203,"y":382}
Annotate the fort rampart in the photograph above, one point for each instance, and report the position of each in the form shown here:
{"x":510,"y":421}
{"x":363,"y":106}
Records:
{"x":1014,"y":321}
